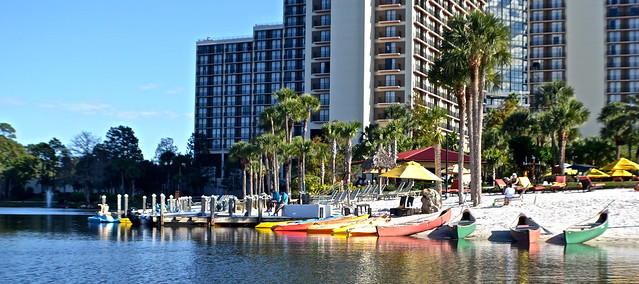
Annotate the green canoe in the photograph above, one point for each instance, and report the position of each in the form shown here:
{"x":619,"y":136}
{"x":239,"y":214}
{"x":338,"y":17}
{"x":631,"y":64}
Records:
{"x":464,"y":227}
{"x":587,"y":229}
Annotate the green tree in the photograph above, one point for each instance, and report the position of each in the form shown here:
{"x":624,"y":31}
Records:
{"x":346,"y":132}
{"x":482,"y":41}
{"x":240,"y":151}
{"x":332,"y":135}
{"x":123,"y":151}
{"x":16,"y":165}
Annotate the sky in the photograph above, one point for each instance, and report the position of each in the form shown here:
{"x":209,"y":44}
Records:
{"x":73,"y":66}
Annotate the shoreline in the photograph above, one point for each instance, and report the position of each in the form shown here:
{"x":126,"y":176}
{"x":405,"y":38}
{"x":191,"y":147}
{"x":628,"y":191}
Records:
{"x":553,"y":211}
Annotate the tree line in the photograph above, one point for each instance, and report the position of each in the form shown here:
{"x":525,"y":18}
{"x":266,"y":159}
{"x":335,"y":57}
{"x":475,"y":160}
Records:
{"x":91,"y":165}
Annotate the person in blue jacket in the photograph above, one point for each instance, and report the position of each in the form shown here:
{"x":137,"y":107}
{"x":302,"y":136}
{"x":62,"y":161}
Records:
{"x":283,"y":201}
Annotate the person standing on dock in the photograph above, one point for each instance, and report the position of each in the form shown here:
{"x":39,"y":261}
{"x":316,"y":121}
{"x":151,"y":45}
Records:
{"x":275,"y":200}
{"x":283,"y":201}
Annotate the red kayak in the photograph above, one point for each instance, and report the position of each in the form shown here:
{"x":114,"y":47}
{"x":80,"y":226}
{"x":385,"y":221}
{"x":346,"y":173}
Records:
{"x":416,"y":226}
{"x":525,"y":230}
{"x":304,"y":226}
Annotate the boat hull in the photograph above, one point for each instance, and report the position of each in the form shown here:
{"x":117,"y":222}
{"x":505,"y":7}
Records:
{"x":588,"y":229}
{"x":414,"y":227}
{"x":103,"y":219}
{"x":464,"y":227}
{"x":525,"y":230}
{"x":304,"y":225}
{"x":460,"y":231}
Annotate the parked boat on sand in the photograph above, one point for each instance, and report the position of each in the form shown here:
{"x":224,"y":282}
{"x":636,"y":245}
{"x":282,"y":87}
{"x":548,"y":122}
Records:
{"x":588,"y":229}
{"x":416,"y":226}
{"x":464,"y":226}
{"x":328,"y":228}
{"x":525,"y":229}
{"x":303,"y":225}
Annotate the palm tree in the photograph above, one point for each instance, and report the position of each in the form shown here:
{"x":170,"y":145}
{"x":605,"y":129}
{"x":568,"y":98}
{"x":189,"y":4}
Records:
{"x":433,"y":119}
{"x":330,"y":129}
{"x":451,"y":73}
{"x":564,"y":116}
{"x":321,"y":152}
{"x":269,"y":145}
{"x":399,"y":114}
{"x":310,"y":104}
{"x":615,"y":124}
{"x":347,"y":131}
{"x":300,"y":148}
{"x":482,"y":41}
{"x":240,"y":151}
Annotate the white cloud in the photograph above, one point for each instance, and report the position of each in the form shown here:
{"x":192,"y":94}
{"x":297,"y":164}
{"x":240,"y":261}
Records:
{"x":189,"y":114}
{"x":11,"y":101}
{"x":174,"y":90}
{"x":108,"y":110}
{"x":149,"y":86}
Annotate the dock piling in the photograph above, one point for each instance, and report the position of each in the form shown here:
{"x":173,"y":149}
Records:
{"x":162,"y":207}
{"x":143,"y":203}
{"x":153,"y":203}
{"x":126,"y":204}
{"x":119,"y":205}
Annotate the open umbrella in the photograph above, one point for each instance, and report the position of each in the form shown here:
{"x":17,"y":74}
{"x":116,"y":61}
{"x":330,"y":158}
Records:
{"x":380,"y":160}
{"x":595,"y":173}
{"x":621,"y":164}
{"x":411,"y":170}
{"x":454,"y":169}
{"x":620,"y":173}
{"x":581,"y":167}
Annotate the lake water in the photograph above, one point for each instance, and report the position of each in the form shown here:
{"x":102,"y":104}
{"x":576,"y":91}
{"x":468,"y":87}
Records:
{"x":59,"y":246}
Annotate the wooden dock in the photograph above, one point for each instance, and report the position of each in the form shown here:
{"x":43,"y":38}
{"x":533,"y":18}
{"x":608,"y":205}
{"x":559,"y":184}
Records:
{"x":224,"y":221}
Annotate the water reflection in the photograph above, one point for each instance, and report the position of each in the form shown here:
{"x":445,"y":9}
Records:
{"x":204,"y":254}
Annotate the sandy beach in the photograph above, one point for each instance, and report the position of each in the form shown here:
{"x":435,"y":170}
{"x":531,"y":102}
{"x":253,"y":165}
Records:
{"x":553,"y":211}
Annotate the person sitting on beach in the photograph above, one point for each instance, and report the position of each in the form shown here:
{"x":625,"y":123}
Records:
{"x":510,"y":193}
{"x":513,"y":179}
{"x":283,"y":201}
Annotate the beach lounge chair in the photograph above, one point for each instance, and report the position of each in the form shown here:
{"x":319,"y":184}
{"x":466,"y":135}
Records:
{"x":500,"y":184}
{"x":525,"y":184}
{"x":587,"y":184}
{"x":559,"y":183}
{"x":455,"y":187}
{"x":519,"y":197}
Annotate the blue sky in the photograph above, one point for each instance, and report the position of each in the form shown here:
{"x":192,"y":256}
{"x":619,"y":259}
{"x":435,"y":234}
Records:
{"x":73,"y":66}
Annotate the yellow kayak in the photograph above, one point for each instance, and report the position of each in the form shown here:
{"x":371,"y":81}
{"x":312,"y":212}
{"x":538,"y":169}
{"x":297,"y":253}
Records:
{"x":328,"y":228}
{"x":343,"y":230}
{"x":268,"y":225}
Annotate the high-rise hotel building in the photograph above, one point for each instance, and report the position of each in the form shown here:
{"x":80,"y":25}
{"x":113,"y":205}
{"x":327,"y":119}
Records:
{"x":357,"y":56}
{"x":514,"y":76}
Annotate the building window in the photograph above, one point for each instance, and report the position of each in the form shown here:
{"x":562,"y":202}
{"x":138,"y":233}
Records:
{"x":389,"y":97}
{"x":538,"y":28}
{"x":538,"y":16}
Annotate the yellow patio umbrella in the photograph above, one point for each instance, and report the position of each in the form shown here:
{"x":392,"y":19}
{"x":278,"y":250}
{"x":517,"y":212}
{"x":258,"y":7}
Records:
{"x":411,"y":170}
{"x":620,"y":173}
{"x":621,"y":164}
{"x":595,"y":173}
{"x":454,"y":169}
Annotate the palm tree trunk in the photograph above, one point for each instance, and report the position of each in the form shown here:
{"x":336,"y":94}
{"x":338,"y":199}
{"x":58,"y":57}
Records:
{"x":322,"y":171}
{"x":438,"y":166}
{"x":289,"y":168}
{"x":347,"y":165}
{"x":475,"y":182}
{"x":461,"y":101}
{"x":251,"y":178}
{"x":276,"y":176}
{"x":563,"y":135}
{"x":333,"y":157}
{"x":302,"y":166}
{"x":243,"y":182}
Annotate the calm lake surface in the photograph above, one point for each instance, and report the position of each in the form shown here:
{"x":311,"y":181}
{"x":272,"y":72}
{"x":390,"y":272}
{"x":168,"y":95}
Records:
{"x":59,"y":246}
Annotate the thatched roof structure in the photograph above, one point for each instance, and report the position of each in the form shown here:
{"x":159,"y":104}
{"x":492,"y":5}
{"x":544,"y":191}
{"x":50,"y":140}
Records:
{"x":379,"y":160}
